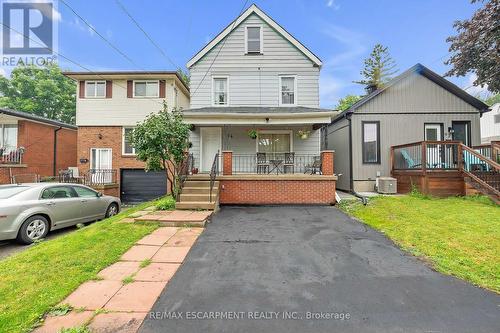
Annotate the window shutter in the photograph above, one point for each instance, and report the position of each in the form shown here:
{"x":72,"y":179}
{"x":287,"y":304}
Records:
{"x":82,"y":89}
{"x":162,"y":88}
{"x":109,"y":89}
{"x":130,"y":87}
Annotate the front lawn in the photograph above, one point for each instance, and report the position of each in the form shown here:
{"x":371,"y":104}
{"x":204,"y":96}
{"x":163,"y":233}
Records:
{"x":35,"y":280}
{"x":458,"y":236}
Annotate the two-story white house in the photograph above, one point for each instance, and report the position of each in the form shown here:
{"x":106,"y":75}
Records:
{"x":255,"y":101}
{"x":108,"y":106}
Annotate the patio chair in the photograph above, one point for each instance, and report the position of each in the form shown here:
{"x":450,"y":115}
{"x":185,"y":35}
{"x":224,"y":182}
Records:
{"x":262,"y":163}
{"x":409,"y":161}
{"x":314,"y":167}
{"x":289,"y":163}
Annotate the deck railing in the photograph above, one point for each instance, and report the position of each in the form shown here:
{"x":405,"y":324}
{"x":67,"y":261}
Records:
{"x":276,"y":163}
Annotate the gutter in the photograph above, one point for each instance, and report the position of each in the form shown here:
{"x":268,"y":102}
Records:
{"x":54,"y":167}
{"x":364,"y":200}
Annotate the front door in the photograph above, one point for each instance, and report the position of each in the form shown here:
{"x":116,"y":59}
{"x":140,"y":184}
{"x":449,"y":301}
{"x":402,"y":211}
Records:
{"x":211,"y":142}
{"x":461,"y":131}
{"x":101,"y":159}
{"x":433,"y":132}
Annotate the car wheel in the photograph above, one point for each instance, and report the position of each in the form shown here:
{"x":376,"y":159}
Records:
{"x":33,"y":229}
{"x":112,"y":210}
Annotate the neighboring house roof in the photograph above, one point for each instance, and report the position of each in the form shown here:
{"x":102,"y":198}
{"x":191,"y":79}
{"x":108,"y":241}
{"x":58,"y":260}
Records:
{"x":253,"y":9}
{"x":124,"y":75}
{"x":33,"y":117}
{"x":256,"y":109}
{"x":434,"y":77}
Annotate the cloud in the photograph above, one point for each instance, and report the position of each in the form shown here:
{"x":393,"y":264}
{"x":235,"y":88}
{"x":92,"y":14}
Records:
{"x":476,"y":90}
{"x":56,"y":15}
{"x":333,"y":4}
{"x":82,"y":27}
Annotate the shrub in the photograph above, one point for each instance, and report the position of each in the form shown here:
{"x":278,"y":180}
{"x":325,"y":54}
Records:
{"x":166,"y":203}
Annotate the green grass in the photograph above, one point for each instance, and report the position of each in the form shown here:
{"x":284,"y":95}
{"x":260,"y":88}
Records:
{"x":457,"y":236}
{"x":34,"y":281}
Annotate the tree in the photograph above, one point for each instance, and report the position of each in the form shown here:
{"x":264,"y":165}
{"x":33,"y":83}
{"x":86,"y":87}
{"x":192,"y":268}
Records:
{"x":346,"y":102}
{"x":475,"y":49}
{"x":493,"y":99}
{"x":161,"y":141}
{"x":43,"y":91}
{"x":184,"y":76}
{"x":379,"y":67}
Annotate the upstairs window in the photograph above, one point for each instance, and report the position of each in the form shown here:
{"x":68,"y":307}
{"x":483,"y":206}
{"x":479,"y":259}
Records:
{"x":95,"y":89}
{"x":146,"y":89}
{"x":371,"y":142}
{"x":253,"y":39}
{"x":220,"y":91}
{"x":288,"y":90}
{"x":128,"y":149}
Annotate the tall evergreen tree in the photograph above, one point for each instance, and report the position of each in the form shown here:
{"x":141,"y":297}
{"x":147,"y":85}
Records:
{"x":379,"y":68}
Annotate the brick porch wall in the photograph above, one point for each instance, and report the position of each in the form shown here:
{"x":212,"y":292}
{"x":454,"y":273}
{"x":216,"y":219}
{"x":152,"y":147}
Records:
{"x":260,"y":192}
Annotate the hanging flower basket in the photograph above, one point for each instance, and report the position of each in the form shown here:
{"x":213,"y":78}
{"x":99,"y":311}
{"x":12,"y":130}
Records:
{"x":252,"y":134}
{"x":303,"y":134}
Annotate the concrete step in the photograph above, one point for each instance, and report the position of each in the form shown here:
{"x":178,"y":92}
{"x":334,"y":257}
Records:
{"x":199,"y":190}
{"x":191,"y":224}
{"x":190,"y":197}
{"x":196,"y":205}
{"x":199,"y":177}
{"x":199,"y":183}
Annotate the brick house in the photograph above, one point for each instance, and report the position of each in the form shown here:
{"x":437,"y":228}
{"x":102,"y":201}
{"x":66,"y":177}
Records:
{"x":34,"y":147}
{"x":108,"y":106}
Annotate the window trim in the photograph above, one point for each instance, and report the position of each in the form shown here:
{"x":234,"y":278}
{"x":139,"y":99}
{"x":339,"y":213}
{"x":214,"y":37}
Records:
{"x":101,"y":148}
{"x":377,"y":122}
{"x":213,"y":90}
{"x":295,"y":95}
{"x":261,"y":39}
{"x":2,"y":135}
{"x":95,"y":82}
{"x":123,"y":142}
{"x":438,"y":124}
{"x":289,"y":132}
{"x":146,"y":81}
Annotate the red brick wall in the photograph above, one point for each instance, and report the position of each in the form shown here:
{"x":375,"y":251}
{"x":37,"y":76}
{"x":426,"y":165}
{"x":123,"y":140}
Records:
{"x":260,"y":192}
{"x":38,"y":158}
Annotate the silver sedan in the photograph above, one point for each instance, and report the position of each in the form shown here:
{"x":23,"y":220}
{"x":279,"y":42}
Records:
{"x":29,"y":211}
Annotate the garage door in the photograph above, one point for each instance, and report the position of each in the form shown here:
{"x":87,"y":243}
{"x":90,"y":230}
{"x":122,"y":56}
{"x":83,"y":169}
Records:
{"x":138,"y":185}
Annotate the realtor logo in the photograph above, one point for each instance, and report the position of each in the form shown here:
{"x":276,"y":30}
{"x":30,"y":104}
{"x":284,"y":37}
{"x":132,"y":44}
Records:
{"x":29,"y":32}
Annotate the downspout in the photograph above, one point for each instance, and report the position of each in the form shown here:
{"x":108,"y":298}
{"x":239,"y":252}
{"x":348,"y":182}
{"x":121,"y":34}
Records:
{"x":364,"y":200}
{"x":54,"y":168}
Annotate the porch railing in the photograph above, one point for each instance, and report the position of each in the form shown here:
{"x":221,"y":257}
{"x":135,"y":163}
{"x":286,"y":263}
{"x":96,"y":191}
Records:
{"x":276,"y":163}
{"x":214,"y":171}
{"x":185,"y":170}
{"x":11,"y":156}
{"x":93,"y":177}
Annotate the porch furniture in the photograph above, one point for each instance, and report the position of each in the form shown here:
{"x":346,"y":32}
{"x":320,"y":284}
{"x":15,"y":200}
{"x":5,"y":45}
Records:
{"x":409,"y":161}
{"x":262,"y":163}
{"x":289,"y":162}
{"x":314,"y":167}
{"x":276,"y":166}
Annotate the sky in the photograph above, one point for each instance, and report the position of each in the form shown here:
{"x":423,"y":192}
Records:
{"x":341,"y":32}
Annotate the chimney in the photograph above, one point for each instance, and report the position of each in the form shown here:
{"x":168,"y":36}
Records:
{"x":371,"y":88}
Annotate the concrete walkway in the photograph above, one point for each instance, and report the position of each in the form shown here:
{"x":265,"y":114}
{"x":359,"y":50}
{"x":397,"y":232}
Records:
{"x":311,"y":269}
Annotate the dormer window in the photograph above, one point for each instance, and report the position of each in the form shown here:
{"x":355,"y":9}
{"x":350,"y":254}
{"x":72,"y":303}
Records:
{"x":253,"y":37}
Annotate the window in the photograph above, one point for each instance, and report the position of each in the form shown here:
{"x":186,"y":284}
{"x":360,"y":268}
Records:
{"x":95,"y":89}
{"x":253,"y":39}
{"x":128,"y":149}
{"x":84,"y":192}
{"x":8,"y":137}
{"x":220,"y":91}
{"x":433,"y":132}
{"x":371,"y":142}
{"x":287,"y":90}
{"x":497,"y":118}
{"x":146,"y":89}
{"x":274,"y":142}
{"x":59,"y":192}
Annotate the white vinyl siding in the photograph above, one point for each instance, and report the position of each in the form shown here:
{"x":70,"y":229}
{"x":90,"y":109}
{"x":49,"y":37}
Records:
{"x":95,"y":89}
{"x":146,"y":88}
{"x":255,"y":79}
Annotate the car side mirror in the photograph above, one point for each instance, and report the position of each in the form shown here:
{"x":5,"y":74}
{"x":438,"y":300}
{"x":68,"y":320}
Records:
{"x":99,"y":194}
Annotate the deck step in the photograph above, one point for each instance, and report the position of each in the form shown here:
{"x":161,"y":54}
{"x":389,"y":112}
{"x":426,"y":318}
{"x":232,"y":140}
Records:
{"x":196,"y":205}
{"x":190,"y":197}
{"x":199,"y":190}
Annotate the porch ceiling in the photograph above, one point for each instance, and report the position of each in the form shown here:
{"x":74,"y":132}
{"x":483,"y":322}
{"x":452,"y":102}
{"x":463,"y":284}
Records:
{"x":212,"y":118}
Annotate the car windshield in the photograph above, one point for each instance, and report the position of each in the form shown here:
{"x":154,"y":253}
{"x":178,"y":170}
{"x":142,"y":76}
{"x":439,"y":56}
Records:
{"x":9,"y":191}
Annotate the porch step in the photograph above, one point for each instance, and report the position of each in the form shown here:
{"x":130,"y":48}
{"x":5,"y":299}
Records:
{"x":199,"y":183}
{"x":196,"y":205}
{"x":191,"y":197}
{"x":472,"y":187}
{"x":199,"y":177}
{"x":199,"y":190}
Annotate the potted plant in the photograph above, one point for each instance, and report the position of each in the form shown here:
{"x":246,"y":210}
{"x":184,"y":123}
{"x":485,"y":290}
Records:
{"x":194,"y":171}
{"x":303,"y":134}
{"x":252,"y":134}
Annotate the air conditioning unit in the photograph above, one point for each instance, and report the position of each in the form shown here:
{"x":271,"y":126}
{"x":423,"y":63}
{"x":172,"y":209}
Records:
{"x":387,"y":185}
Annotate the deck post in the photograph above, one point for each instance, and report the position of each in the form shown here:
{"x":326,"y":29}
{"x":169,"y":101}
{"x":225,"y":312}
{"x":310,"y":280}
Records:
{"x":424,"y":156}
{"x":459,"y":157}
{"x":227,"y":163}
{"x":327,"y":162}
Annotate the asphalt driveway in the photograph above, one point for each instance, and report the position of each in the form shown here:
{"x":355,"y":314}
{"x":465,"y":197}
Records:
{"x":311,"y":269}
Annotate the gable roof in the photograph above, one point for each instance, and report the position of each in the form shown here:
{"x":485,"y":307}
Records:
{"x":253,"y":9}
{"x":39,"y":119}
{"x":434,"y":77}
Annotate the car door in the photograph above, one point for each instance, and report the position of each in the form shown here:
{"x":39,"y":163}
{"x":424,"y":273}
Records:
{"x":93,"y":207}
{"x":63,"y":204}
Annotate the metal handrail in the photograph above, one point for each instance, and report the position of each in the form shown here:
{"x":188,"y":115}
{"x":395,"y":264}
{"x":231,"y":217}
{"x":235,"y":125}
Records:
{"x":214,"y":171}
{"x":186,"y":167}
